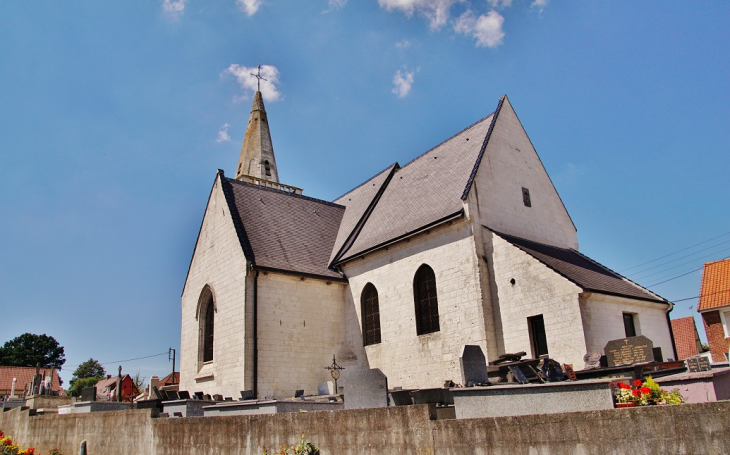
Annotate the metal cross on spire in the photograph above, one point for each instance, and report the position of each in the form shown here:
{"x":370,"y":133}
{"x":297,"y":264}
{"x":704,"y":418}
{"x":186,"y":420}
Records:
{"x":260,"y":78}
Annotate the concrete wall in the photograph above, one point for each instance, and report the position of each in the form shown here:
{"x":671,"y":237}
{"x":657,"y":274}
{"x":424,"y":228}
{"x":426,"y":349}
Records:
{"x":407,"y":359}
{"x":218,"y":262}
{"x":603,"y":321}
{"x":538,"y":290}
{"x":683,"y":429}
{"x":509,"y":164}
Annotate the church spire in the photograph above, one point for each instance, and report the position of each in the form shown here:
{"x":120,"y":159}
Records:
{"x":257,"y":153}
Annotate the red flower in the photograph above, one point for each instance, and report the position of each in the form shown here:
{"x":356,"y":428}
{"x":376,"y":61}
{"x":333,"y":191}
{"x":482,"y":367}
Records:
{"x":636,"y":392}
{"x":623,"y":386}
{"x":637,"y":382}
{"x":645,"y":390}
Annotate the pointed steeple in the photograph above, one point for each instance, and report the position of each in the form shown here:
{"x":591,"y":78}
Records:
{"x":257,"y":153}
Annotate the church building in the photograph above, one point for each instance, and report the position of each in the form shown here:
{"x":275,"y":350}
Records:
{"x":467,"y":244}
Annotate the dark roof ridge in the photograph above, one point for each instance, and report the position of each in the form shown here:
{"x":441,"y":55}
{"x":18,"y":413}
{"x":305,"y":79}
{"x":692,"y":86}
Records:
{"x":287,"y":193}
{"x":395,"y":163}
{"x":447,"y":140}
{"x":474,"y":170}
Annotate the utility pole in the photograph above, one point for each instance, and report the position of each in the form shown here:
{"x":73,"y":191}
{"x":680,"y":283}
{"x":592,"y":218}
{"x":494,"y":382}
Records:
{"x":171,"y":356}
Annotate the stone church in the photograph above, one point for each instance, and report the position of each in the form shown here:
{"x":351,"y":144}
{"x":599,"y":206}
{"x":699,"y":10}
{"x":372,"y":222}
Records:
{"x":468,"y":243}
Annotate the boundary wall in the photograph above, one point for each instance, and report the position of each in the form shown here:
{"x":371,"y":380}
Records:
{"x":684,"y":429}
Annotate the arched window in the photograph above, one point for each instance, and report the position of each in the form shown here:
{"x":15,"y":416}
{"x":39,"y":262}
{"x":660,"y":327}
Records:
{"x":424,"y":294}
{"x":267,"y":167}
{"x":208,"y":331}
{"x":370,"y":315}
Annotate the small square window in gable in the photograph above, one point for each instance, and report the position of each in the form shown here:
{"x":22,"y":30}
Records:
{"x":526,"y":197}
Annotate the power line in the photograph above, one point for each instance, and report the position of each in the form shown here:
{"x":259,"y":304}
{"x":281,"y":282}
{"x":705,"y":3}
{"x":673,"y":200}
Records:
{"x":684,"y":263}
{"x":701,"y":295}
{"x":682,"y":257}
{"x":674,"y":278}
{"x":675,"y":252}
{"x":127,"y":360}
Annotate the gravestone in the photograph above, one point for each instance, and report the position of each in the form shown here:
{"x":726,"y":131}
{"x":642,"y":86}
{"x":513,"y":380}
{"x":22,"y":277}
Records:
{"x":628,"y":351}
{"x":326,"y":388}
{"x":218,"y":397}
{"x":569,"y":371}
{"x":697,"y":364}
{"x":366,"y":389}
{"x":199,"y":395}
{"x":473,"y":365}
{"x":184,"y":395}
{"x":160,"y":394}
{"x":172,"y":395}
{"x":88,"y":394}
{"x":552,"y":370}
{"x":247,"y":395}
{"x":207,"y":397}
{"x":518,"y":374}
{"x":299,"y":393}
{"x":592,"y":360}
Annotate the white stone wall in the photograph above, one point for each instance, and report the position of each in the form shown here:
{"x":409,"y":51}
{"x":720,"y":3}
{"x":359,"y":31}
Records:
{"x":603,"y":319}
{"x":409,"y":360}
{"x":218,"y":261}
{"x":537,"y":290}
{"x":300,"y":327}
{"x":509,"y":164}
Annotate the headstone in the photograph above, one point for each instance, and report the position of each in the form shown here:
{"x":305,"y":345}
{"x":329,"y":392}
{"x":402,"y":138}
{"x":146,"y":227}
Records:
{"x":228,"y":399}
{"x":208,"y":397}
{"x":12,"y":389}
{"x":517,"y":374}
{"x":172,"y":395}
{"x":177,"y":414}
{"x":218,"y":397}
{"x":552,"y":370}
{"x":247,"y":395}
{"x":199,"y":395}
{"x":154,"y":382}
{"x":592,"y":360}
{"x":88,"y":394}
{"x":473,"y":365}
{"x":183,"y":395}
{"x":658,"y":357}
{"x":569,"y":371}
{"x":326,"y":388}
{"x":401,"y":397}
{"x":160,"y":394}
{"x":298,"y":393}
{"x":696,"y":364}
{"x":509,"y":357}
{"x":628,"y":351}
{"x":366,"y":389}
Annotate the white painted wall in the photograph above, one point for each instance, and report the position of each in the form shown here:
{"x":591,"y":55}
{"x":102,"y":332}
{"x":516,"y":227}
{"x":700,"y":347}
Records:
{"x":537,"y":290}
{"x":218,"y":261}
{"x":509,"y":164}
{"x":409,"y":360}
{"x":603,"y":320}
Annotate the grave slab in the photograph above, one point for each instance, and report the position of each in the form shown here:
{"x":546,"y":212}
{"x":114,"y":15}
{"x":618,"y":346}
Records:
{"x":366,"y":389}
{"x":628,"y":351}
{"x":473,"y":365}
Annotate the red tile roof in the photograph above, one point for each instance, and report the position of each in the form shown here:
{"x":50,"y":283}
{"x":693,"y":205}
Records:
{"x":167,"y":380}
{"x":685,"y":337}
{"x":24,"y":375}
{"x":715,"y":288}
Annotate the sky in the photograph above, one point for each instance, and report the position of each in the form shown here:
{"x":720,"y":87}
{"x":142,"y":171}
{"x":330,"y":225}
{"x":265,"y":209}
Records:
{"x":115,"y":117}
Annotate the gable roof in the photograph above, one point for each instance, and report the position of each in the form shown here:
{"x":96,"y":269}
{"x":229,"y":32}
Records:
{"x":581,"y":270}
{"x":282,"y":231}
{"x":167,"y":380}
{"x":24,"y":376}
{"x":685,"y":337}
{"x":715,"y":287}
{"x":424,"y":192}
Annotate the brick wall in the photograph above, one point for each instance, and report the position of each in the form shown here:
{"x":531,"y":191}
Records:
{"x":715,"y":335}
{"x":685,"y":337}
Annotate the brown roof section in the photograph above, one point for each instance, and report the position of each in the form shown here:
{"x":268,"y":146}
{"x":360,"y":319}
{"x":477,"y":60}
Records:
{"x":24,"y":376}
{"x":715,"y":288}
{"x":581,"y":270}
{"x":283,"y":231}
{"x":167,"y":380}
{"x":424,"y":191}
{"x":686,"y":338}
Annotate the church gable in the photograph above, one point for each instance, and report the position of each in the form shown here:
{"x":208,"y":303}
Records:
{"x":512,"y":192}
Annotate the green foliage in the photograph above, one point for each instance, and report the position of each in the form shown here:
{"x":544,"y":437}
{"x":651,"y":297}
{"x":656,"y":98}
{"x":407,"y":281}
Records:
{"x":304,"y":447}
{"x":79,"y":383}
{"x":28,"y":350}
{"x":89,"y":369}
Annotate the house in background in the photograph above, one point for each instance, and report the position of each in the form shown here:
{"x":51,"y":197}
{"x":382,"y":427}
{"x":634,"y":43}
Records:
{"x":106,"y":388}
{"x":714,"y":306}
{"x":24,"y":377}
{"x":686,"y":338}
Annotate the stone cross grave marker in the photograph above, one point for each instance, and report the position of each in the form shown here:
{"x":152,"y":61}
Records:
{"x":473,"y":366}
{"x":628,"y":351}
{"x":366,"y":389}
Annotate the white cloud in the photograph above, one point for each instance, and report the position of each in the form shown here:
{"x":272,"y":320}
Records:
{"x":246,"y":79}
{"x":436,"y":11}
{"x":402,"y":82}
{"x":174,"y":8}
{"x":402,"y":44}
{"x":249,"y":6}
{"x":503,"y":3}
{"x":486,"y":29}
{"x":540,"y":4}
{"x":336,"y":4}
{"x":223,"y":133}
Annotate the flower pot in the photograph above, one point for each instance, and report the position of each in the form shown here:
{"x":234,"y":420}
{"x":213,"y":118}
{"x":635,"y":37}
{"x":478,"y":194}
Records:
{"x":630,"y":404}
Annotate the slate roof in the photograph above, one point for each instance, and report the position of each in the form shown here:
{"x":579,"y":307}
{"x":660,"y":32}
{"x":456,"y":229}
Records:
{"x":283,"y":231}
{"x":715,"y":287}
{"x":581,"y":270}
{"x":24,"y":376}
{"x":424,"y":191}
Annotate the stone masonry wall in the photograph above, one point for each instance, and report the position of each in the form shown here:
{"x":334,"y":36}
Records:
{"x":537,"y":290}
{"x":219,"y":262}
{"x":509,"y":164}
{"x":715,"y":335}
{"x":603,"y":321}
{"x":696,"y":429}
{"x":407,"y":359}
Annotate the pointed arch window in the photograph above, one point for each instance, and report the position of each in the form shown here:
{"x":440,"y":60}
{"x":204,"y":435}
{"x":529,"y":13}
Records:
{"x":267,"y":167}
{"x":206,"y":325}
{"x":208,"y":332}
{"x":424,"y":294}
{"x":370,"y":311}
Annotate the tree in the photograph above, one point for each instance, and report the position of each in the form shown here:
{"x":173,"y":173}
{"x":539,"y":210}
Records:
{"x":80,"y":383}
{"x":139,"y":381}
{"x":86,"y":375}
{"x":28,"y":350}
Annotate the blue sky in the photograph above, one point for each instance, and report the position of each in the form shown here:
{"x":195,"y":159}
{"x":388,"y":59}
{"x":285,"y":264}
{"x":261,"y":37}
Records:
{"x":116,"y":115}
